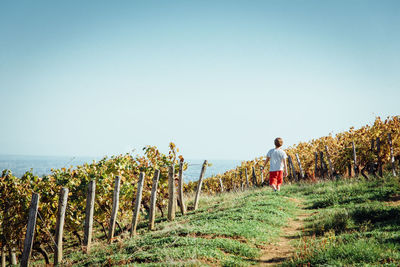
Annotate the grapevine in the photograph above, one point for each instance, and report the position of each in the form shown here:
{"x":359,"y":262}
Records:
{"x":16,"y":195}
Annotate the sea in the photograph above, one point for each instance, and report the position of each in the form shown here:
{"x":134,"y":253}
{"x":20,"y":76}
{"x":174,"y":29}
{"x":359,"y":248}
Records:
{"x":42,"y":165}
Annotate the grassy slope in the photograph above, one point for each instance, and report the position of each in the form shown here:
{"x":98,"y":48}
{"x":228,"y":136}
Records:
{"x":228,"y":229}
{"x":355,"y":223}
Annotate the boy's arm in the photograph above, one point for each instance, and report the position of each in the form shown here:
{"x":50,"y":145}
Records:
{"x":285,"y":172}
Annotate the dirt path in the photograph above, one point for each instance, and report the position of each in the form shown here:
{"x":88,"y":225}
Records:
{"x":282,"y":249}
{"x":393,"y":201}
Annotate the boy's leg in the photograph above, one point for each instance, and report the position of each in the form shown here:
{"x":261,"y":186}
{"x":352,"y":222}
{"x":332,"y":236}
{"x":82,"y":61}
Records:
{"x":279,"y":180}
{"x":273,"y":180}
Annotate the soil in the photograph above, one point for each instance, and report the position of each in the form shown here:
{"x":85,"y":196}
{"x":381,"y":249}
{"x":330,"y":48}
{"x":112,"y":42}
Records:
{"x":282,"y":249}
{"x":393,"y":201}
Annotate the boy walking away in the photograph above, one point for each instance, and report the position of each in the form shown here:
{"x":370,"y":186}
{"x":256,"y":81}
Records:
{"x":278,"y":167}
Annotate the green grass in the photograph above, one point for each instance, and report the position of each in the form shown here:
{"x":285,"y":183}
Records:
{"x":227,"y":230}
{"x":354,"y":224}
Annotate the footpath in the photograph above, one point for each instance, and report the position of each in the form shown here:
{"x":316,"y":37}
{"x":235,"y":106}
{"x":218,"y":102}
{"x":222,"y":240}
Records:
{"x":282,"y":249}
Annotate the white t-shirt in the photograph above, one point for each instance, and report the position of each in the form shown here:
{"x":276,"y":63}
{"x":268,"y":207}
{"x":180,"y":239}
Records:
{"x":276,"y":156}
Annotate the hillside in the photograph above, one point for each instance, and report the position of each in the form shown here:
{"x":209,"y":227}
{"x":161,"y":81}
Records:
{"x":343,"y":222}
{"x":239,"y":222}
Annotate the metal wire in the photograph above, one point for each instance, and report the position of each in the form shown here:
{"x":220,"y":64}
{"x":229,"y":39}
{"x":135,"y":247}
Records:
{"x":71,"y":212}
{"x":48,"y":232}
{"x":71,"y":160}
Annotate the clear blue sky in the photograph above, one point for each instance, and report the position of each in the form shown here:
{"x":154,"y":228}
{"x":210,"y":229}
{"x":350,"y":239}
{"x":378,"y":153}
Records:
{"x":221,"y":79}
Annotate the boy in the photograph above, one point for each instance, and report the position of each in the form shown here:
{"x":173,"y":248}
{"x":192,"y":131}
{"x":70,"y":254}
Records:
{"x":278,"y":167}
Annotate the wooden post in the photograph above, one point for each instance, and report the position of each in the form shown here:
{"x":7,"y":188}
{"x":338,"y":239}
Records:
{"x":392,"y":154}
{"x":62,"y":207}
{"x":199,"y":184}
{"x":241,"y":181}
{"x":12,"y":254}
{"x":293,"y":169}
{"x":331,"y":170}
{"x":300,"y":168}
{"x":30,"y":230}
{"x":349,"y":169}
{"x":221,"y":184}
{"x":91,"y":192}
{"x":171,"y":194}
{"x":323,"y":169}
{"x":247,"y":178}
{"x":180,"y":189}
{"x":3,"y":256}
{"x":262,"y":175}
{"x":153,"y":199}
{"x":233,"y":186}
{"x":114,"y":211}
{"x":355,"y":159}
{"x":316,"y":174}
{"x":138,"y":201}
{"x":378,"y":153}
{"x":253,"y":173}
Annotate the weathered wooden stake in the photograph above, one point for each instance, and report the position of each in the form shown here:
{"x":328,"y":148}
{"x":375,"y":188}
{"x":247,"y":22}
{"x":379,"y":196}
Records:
{"x":153,"y":199}
{"x":62,"y":207}
{"x":199,"y":184}
{"x":262,"y":175}
{"x":392,"y":155}
{"x":138,"y":201}
{"x":3,"y":256}
{"x":241,"y":181}
{"x":293,"y":169}
{"x":323,"y":168}
{"x":354,"y":159}
{"x":12,"y":254}
{"x":349,"y":169}
{"x":247,"y":178}
{"x":316,"y":174}
{"x":378,"y":153}
{"x":221,"y":184}
{"x":30,"y":230}
{"x":300,"y":168}
{"x":91,"y":192}
{"x":114,"y":210}
{"x":180,"y":189}
{"x":171,"y":194}
{"x":253,"y":173}
{"x":331,"y":170}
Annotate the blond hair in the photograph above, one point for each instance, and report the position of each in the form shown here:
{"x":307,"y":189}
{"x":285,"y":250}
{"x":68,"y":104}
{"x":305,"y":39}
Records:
{"x":278,"y":142}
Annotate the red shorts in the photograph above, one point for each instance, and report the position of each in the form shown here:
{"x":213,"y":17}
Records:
{"x":275,"y":178}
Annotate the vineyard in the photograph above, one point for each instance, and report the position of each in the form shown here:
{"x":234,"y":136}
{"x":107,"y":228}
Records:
{"x":17,"y":192}
{"x":369,"y":151}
